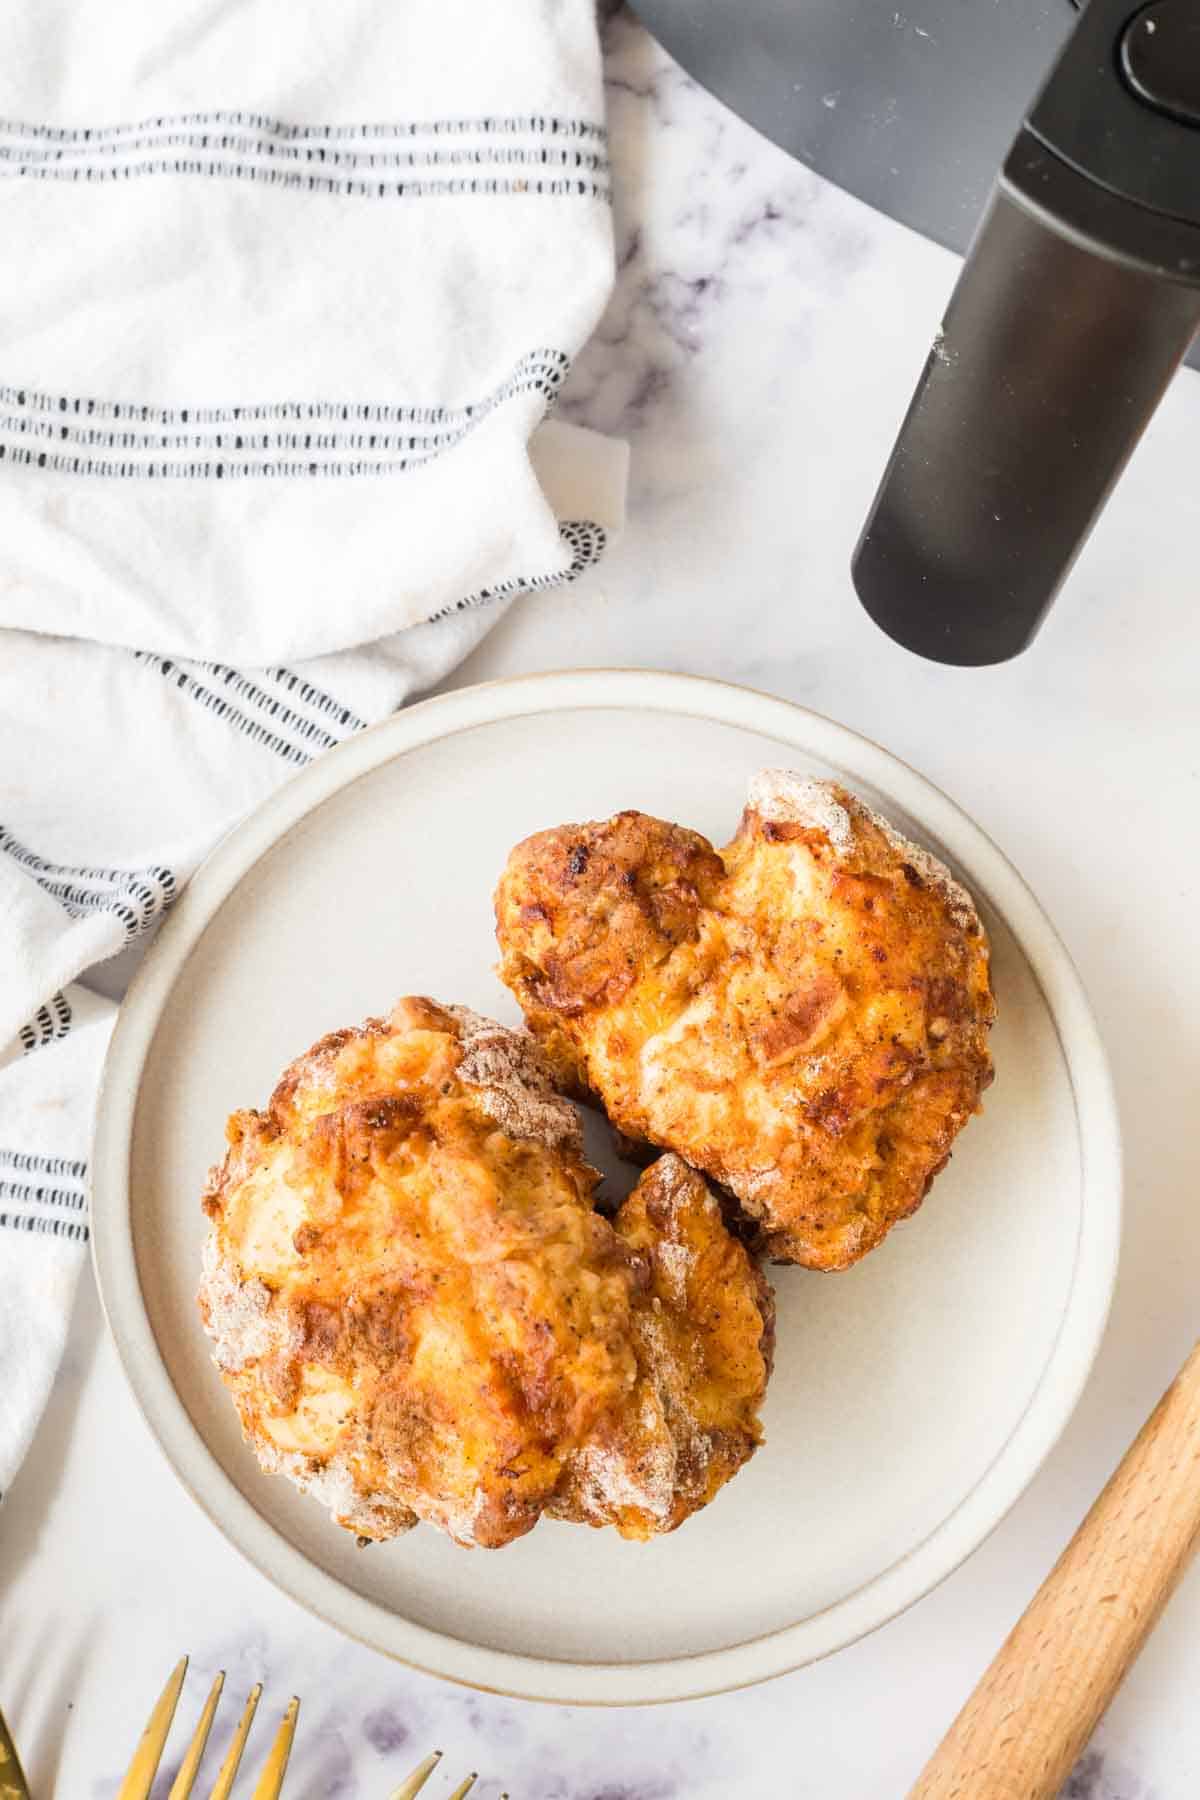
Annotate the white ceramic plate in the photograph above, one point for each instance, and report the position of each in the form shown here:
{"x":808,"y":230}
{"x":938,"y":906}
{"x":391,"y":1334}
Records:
{"x":913,"y":1397}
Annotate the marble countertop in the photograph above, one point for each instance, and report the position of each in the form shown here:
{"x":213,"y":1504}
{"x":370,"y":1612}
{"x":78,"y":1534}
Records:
{"x":759,"y":351}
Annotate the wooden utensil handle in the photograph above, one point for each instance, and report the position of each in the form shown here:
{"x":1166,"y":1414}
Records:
{"x":1020,"y":1733}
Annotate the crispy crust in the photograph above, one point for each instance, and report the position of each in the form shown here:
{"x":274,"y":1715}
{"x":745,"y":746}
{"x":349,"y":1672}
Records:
{"x":803,"y":1015}
{"x":420,"y":1315}
{"x":705,"y":1338}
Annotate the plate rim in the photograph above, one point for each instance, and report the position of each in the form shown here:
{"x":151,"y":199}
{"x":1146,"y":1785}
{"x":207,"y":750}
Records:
{"x":920,"y":1569}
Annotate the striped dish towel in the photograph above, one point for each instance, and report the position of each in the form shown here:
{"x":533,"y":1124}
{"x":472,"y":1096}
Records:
{"x":287,"y":294}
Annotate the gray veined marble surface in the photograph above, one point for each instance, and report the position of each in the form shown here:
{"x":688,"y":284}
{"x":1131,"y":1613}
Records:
{"x":758,"y":353}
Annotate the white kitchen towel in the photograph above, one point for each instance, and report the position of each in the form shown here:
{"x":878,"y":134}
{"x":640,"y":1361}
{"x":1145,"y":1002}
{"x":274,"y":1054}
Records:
{"x":286,"y":295}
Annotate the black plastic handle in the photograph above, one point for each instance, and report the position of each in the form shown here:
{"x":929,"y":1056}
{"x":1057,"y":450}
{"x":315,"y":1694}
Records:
{"x":1078,"y":301}
{"x":1050,"y":364}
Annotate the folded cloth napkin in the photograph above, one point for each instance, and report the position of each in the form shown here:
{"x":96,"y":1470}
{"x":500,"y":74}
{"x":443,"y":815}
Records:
{"x":286,"y":296}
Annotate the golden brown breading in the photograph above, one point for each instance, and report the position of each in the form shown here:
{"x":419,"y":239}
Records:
{"x":803,"y":1015}
{"x":704,"y":1331}
{"x":420,"y":1315}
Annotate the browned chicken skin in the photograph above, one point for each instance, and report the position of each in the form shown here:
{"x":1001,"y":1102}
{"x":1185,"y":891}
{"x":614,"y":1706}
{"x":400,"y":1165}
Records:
{"x":420,"y":1315}
{"x":803,"y":1015}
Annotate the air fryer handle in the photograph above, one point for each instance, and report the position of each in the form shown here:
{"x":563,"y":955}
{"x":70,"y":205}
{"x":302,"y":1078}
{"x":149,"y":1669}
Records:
{"x":1053,"y":356}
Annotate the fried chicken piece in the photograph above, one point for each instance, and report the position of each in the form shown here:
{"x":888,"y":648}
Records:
{"x":802,"y":1015}
{"x":704,"y":1332}
{"x":420,"y":1314}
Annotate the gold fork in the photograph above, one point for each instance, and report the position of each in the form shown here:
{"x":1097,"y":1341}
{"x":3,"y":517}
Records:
{"x":408,"y":1790}
{"x":13,"y":1785}
{"x":148,"y":1755}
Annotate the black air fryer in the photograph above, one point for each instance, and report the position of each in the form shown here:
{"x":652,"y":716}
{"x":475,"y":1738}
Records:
{"x":1081,"y":291}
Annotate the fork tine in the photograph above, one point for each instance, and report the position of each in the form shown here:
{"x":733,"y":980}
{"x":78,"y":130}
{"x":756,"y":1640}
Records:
{"x":460,"y":1792}
{"x":146,"y":1758}
{"x":11,"y":1771}
{"x":229,"y":1768}
{"x":270,"y":1782}
{"x":183,"y":1783}
{"x":408,"y":1790}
